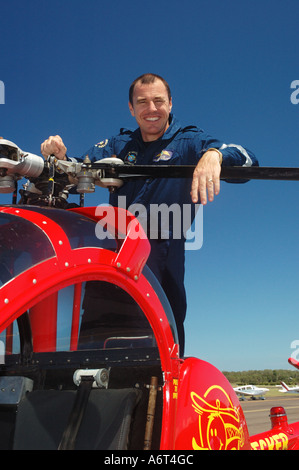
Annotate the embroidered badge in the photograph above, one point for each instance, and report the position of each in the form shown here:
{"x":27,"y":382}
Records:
{"x":163,"y":156}
{"x":131,"y":157}
{"x":102,"y":144}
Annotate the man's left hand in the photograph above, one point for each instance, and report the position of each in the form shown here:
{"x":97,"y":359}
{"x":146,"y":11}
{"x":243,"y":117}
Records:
{"x":206,"y":177}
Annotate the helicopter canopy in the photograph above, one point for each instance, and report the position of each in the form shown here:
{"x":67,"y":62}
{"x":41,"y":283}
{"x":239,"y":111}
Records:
{"x":94,"y":311}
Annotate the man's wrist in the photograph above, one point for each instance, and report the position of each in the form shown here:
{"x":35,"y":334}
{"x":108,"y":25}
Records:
{"x":219,"y":153}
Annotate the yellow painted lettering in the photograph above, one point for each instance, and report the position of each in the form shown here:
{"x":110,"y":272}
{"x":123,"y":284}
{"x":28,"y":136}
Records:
{"x":277,"y":441}
{"x":255,"y":445}
{"x":285,"y":440}
{"x":270,"y":442}
{"x":263,"y":444}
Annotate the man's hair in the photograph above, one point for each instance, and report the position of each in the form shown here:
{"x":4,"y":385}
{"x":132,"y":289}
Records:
{"x":146,"y":79}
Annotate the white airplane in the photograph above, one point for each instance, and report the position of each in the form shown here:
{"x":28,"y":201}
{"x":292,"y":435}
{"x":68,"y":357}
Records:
{"x":287,"y":389}
{"x":251,"y":391}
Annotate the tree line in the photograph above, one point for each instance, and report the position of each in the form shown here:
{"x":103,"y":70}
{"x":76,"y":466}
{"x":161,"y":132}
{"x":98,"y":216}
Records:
{"x":263,"y":377}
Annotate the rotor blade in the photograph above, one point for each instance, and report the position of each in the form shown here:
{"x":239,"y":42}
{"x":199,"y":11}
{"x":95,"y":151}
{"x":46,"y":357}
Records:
{"x":186,"y":171}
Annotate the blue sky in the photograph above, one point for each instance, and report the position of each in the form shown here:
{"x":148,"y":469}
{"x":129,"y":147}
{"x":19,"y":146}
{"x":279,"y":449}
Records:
{"x":67,"y":65}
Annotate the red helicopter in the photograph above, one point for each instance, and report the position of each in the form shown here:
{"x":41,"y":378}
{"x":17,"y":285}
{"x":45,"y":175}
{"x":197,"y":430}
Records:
{"x":89,"y":355}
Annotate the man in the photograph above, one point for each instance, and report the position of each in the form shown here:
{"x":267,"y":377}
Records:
{"x":159,"y":139}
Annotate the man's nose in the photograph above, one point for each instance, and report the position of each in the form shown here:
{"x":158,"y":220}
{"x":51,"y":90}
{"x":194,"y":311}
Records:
{"x":152,"y":106}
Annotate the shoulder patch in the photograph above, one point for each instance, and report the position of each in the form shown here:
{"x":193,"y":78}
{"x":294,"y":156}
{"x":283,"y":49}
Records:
{"x":102,"y":144}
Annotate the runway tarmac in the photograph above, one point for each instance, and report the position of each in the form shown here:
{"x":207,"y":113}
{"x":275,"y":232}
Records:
{"x":257,"y":411}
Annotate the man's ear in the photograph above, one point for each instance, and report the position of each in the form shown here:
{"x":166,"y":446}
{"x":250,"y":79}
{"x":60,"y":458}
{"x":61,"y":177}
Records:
{"x":131,"y":109}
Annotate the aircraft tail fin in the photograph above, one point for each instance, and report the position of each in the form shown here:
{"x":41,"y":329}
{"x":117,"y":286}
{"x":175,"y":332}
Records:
{"x":285,"y":386}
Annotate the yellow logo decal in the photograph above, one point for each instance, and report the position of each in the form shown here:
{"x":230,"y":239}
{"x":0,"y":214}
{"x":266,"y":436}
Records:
{"x":219,"y":421}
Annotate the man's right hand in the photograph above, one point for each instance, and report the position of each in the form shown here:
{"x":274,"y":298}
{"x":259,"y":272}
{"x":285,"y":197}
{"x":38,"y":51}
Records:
{"x":54,"y":146}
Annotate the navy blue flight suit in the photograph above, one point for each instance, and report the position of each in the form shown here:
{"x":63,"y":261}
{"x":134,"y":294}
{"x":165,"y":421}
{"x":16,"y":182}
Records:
{"x":178,"y":146}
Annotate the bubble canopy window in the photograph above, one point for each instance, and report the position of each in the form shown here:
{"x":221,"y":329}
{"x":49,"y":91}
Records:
{"x":107,"y":316}
{"x":22,"y":245}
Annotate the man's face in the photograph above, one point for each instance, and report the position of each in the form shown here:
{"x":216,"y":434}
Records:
{"x":151,"y":108}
